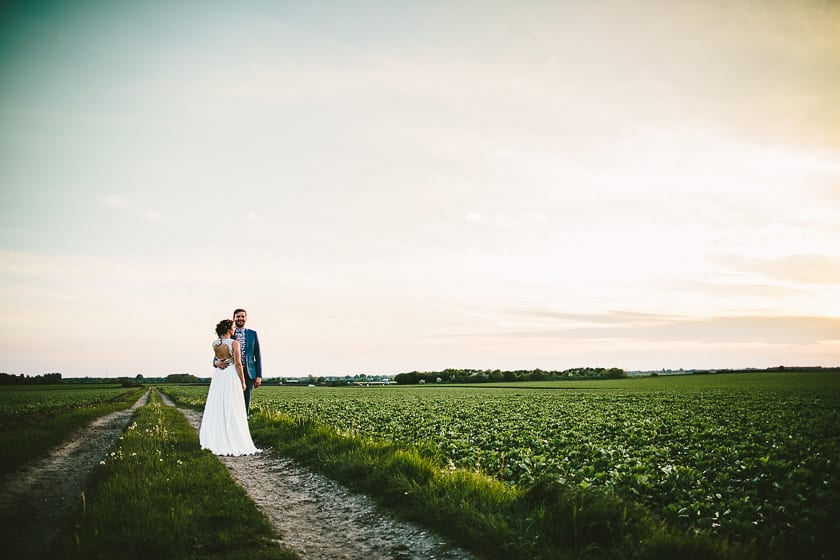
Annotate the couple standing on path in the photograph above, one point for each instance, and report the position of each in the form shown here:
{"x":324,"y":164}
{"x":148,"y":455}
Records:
{"x":224,"y":426}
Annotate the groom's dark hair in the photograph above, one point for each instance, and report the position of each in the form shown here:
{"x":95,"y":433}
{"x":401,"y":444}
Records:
{"x":235,"y":311}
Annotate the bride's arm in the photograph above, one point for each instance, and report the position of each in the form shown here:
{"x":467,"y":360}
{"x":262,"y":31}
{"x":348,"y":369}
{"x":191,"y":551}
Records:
{"x":237,"y":361}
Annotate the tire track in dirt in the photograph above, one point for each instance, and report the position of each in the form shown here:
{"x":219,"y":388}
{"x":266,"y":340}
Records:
{"x":321,"y":519}
{"x":36,"y":499}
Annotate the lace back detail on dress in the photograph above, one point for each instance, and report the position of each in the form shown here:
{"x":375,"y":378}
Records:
{"x":222,"y":350}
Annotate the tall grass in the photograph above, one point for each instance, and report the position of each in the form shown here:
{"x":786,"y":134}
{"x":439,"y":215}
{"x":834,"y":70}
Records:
{"x":158,"y":495}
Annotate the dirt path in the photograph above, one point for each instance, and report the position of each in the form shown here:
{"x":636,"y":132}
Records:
{"x":35,"y":500}
{"x":317,"y":517}
{"x":323,"y":520}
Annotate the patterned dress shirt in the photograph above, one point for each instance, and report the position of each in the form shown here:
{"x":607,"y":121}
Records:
{"x":239,"y":335}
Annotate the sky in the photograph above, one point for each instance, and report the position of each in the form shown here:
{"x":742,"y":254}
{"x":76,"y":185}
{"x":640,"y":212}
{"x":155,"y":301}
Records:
{"x":394,"y":186}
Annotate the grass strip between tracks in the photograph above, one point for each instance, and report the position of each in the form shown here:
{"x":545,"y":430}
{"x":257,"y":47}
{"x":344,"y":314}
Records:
{"x":30,"y":441}
{"x":158,"y":495}
{"x":479,"y":513}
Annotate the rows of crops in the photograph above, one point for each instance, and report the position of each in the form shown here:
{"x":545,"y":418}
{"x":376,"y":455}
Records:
{"x":749,"y":462}
{"x":26,"y":399}
{"x":36,"y":418}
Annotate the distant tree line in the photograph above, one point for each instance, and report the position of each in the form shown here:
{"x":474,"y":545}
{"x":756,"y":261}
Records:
{"x":139,"y":380}
{"x":496,"y":375}
{"x":776,"y":369}
{"x":183,"y":378}
{"x":410,"y":378}
{"x":46,"y":379}
{"x":56,"y":379}
{"x":125,"y":381}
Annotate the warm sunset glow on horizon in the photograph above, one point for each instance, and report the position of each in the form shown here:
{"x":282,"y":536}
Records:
{"x":398,"y":186}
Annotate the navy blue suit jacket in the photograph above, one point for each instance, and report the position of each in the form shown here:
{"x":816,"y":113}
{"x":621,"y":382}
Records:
{"x":253,"y":361}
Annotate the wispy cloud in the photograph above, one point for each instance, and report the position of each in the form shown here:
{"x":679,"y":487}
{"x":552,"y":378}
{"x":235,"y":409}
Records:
{"x":803,"y":269}
{"x":646,"y":327}
{"x":616,"y":318}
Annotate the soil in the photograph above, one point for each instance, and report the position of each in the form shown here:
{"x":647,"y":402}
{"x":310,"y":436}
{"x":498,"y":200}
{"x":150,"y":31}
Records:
{"x":315,"y":516}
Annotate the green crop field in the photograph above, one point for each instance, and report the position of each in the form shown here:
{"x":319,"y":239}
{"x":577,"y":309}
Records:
{"x":749,"y":457}
{"x":35,"y":418}
{"x":21,"y":400}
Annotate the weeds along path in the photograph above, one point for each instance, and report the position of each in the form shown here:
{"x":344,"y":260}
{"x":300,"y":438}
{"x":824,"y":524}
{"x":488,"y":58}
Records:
{"x":321,"y":519}
{"x":36,"y":498}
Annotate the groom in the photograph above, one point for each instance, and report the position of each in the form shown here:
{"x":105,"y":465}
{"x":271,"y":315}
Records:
{"x":249,"y":344}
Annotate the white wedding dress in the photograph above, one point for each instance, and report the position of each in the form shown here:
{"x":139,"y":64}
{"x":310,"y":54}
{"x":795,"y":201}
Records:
{"x":224,"y":426}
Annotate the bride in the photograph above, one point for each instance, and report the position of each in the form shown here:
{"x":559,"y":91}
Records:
{"x":224,"y":426}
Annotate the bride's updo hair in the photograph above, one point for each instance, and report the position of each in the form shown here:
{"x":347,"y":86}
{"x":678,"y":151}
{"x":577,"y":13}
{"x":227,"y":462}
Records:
{"x":223,"y":326}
